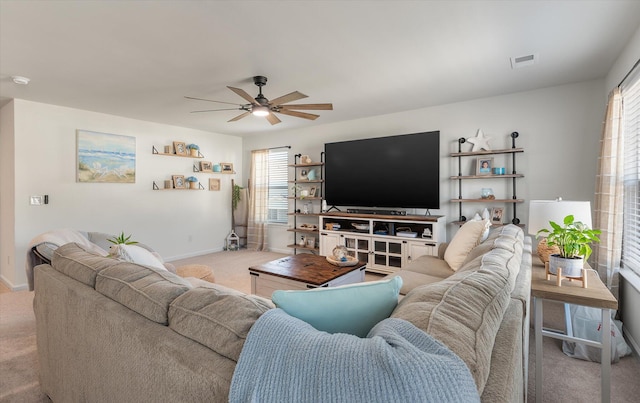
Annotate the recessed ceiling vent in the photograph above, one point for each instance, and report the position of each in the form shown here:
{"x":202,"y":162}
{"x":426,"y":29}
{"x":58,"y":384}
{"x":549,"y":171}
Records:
{"x":524,"y":61}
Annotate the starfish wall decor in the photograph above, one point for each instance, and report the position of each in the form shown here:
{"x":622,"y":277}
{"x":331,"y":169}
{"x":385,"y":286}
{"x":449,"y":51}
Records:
{"x":480,"y":142}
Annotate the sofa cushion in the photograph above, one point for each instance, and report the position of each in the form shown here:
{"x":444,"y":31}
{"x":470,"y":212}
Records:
{"x":430,"y":265}
{"x":145,"y":290}
{"x":352,"y":309}
{"x":505,"y":237}
{"x":464,"y":312}
{"x":217,"y":317}
{"x":467,"y":238}
{"x":412,"y":279}
{"x":80,"y":263}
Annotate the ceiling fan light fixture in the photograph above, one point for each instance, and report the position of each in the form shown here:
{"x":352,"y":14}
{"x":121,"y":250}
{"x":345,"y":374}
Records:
{"x":260,"y":110}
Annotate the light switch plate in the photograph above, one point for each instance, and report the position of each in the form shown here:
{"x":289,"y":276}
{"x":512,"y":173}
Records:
{"x":36,"y":200}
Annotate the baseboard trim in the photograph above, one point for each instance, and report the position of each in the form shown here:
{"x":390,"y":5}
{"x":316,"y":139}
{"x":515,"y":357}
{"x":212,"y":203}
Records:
{"x":9,"y":285}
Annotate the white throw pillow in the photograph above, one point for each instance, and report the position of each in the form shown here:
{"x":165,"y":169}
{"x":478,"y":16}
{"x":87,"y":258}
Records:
{"x":467,"y":238}
{"x":136,"y":254}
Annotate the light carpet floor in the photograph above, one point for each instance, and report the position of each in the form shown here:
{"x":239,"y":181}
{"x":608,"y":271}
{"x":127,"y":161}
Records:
{"x":565,"y":379}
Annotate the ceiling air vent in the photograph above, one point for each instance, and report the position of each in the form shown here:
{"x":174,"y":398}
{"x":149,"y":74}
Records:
{"x":523,"y":61}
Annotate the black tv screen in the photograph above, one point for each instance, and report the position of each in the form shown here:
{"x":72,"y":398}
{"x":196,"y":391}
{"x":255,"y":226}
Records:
{"x":395,"y":171}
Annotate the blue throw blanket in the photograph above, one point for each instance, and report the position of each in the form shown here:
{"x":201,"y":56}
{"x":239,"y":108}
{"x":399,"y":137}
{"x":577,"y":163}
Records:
{"x":286,"y":360}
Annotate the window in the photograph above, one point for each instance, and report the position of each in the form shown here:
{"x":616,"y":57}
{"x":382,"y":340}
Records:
{"x":278,"y":190}
{"x":631,"y":209}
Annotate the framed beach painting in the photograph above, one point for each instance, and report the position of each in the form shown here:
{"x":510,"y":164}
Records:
{"x":105,"y":158}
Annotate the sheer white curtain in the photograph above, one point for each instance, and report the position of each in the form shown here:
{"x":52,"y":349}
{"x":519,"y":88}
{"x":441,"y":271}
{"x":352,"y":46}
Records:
{"x":608,"y":215}
{"x":258,"y":201}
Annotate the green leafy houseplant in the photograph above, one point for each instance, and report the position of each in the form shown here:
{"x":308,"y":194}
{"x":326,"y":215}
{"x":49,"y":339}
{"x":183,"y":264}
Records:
{"x":235,"y":196}
{"x":573,"y":238}
{"x":122,"y":239}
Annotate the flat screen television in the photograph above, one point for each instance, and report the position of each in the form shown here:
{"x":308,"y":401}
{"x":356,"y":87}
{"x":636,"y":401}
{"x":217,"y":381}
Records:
{"x":396,"y":171}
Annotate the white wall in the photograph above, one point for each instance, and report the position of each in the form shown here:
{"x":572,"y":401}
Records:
{"x":7,"y":219}
{"x":175,"y":223}
{"x":559,"y":129}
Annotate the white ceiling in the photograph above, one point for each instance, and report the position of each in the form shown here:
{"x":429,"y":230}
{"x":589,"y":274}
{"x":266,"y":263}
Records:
{"x":138,"y":59}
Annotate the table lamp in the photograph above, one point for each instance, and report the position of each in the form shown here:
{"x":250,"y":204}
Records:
{"x":543,"y":211}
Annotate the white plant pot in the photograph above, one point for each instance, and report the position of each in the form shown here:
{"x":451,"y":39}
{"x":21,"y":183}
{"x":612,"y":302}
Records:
{"x":570,"y":267}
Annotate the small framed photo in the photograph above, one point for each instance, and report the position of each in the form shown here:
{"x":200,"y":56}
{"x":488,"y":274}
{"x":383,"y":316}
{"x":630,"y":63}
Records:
{"x":214,"y":184}
{"x":206,"y":166}
{"x":310,"y":241}
{"x":496,"y":215}
{"x":178,"y":181}
{"x":484,"y":165}
{"x":312,"y":191}
{"x":180,"y":147}
{"x":227,"y":167}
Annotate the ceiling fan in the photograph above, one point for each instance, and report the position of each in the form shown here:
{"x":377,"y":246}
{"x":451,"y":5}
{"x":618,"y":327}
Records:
{"x":261,"y":106}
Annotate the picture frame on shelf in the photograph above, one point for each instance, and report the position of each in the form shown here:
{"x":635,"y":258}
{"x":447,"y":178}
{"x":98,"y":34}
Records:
{"x":180,"y":148}
{"x":178,"y":181}
{"x":312,"y":191}
{"x":214,"y":184}
{"x":310,"y":242}
{"x":484,"y":166}
{"x":496,"y":215}
{"x":206,"y":166}
{"x":226,"y":167}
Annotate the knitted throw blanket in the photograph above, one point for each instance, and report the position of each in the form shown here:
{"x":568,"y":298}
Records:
{"x":286,"y":360}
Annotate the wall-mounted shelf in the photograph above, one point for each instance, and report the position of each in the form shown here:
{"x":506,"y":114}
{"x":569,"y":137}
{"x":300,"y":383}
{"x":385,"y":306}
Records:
{"x":514,"y":175}
{"x":156,"y":187}
{"x":155,"y":151}
{"x":310,"y":201}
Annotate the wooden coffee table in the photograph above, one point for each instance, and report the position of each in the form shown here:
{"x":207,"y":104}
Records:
{"x":301,"y":272}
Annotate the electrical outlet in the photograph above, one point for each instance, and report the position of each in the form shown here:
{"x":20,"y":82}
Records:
{"x":36,"y":201}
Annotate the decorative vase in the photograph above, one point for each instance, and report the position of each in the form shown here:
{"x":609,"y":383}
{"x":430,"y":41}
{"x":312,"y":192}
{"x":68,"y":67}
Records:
{"x":217,"y":168}
{"x":571,"y":267}
{"x":311,"y":175}
{"x":486,"y":193}
{"x":193,"y":185}
{"x":194,"y":152}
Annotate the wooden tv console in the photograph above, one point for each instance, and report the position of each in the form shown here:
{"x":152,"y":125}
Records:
{"x":387,"y":243}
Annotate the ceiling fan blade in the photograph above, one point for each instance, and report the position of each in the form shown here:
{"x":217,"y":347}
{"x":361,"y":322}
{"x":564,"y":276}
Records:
{"x":316,"y":107}
{"x":273,"y":119}
{"x":293,"y":96}
{"x":216,"y":110}
{"x":239,"y":117}
{"x":243,"y":94}
{"x":210,"y":100}
{"x":303,"y":115}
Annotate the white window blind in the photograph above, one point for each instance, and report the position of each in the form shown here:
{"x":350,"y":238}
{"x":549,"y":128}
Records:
{"x":278,"y":191}
{"x":631,"y":212}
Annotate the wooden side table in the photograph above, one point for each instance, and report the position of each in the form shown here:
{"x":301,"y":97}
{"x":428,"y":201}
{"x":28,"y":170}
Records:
{"x":596,"y":296}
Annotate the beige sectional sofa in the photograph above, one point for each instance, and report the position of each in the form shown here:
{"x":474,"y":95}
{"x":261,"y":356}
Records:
{"x":116,"y":331}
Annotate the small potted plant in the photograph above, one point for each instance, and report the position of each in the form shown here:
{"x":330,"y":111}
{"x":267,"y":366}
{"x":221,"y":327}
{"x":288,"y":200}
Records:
{"x":573,"y":238}
{"x":193,"y":182}
{"x":193,"y":149}
{"x":122,"y":239}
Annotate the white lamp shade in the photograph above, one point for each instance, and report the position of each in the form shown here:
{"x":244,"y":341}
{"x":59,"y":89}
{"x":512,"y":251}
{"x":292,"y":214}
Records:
{"x":543,"y":211}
